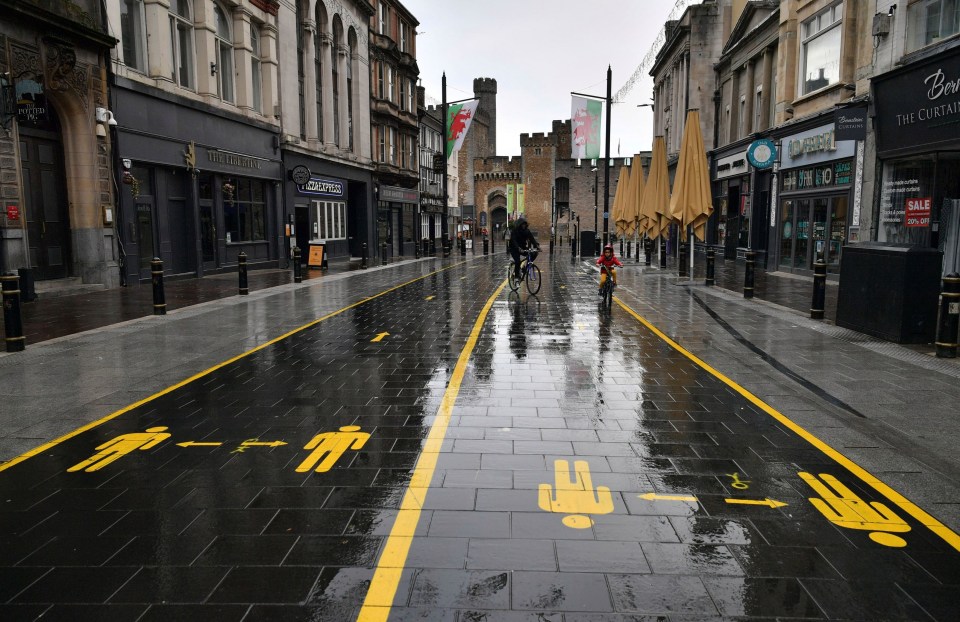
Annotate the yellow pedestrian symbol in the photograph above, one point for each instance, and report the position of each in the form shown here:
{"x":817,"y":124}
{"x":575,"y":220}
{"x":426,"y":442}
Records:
{"x":576,"y":496}
{"x":333,"y":444}
{"x":121,"y":446}
{"x":843,"y":508}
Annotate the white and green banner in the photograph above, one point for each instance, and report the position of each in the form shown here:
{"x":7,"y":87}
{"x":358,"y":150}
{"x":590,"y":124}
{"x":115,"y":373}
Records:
{"x":585,"y":115}
{"x":521,"y":205}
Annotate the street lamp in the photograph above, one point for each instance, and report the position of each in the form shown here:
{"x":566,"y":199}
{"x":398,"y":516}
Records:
{"x":596,"y":183}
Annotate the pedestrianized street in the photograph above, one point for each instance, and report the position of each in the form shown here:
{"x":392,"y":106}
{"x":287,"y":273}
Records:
{"x":416,"y":441}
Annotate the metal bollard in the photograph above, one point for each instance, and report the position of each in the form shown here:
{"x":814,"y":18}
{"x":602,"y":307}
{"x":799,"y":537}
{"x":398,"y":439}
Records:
{"x":948,"y":317}
{"x":242,"y":272}
{"x":663,"y":254}
{"x":551,"y":245}
{"x":493,"y":243}
{"x":433,"y":247}
{"x":463,"y":246}
{"x":383,"y":253}
{"x":416,"y":251}
{"x":297,"y":266}
{"x":426,"y":247}
{"x":486,"y":246}
{"x":748,"y":274}
{"x":445,"y":244}
{"x":819,"y":290}
{"x":156,"y":274}
{"x":621,"y":247}
{"x":596,"y":246}
{"x":629,"y":249}
{"x":12,"y":320}
{"x":711,"y":259}
{"x":682,"y":260}
{"x":647,"y":251}
{"x":363,"y":256}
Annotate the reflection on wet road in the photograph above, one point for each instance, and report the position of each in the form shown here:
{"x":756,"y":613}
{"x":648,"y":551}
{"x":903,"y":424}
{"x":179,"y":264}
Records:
{"x":447,"y":452}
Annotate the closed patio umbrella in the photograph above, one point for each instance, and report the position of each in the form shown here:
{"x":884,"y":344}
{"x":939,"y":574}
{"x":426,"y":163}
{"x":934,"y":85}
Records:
{"x":631,"y":210}
{"x":656,"y":192}
{"x":691,"y":203}
{"x":623,"y":187}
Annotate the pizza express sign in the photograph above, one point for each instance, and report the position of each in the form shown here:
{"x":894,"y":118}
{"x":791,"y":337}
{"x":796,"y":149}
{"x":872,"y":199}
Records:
{"x":321,"y":186}
{"x":919,"y":105}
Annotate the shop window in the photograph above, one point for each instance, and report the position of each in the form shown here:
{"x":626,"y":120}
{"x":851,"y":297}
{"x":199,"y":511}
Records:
{"x":820,"y":49}
{"x":256,"y":100}
{"x":181,"y":39}
{"x":224,"y":59}
{"x":244,"y":209}
{"x":909,"y":178}
{"x":425,"y":225}
{"x":331,"y":220}
{"x":930,"y":21}
{"x":786,"y":233}
{"x":134,"y":34}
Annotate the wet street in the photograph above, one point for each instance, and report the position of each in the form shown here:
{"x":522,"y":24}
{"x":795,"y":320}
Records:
{"x":418,"y":442}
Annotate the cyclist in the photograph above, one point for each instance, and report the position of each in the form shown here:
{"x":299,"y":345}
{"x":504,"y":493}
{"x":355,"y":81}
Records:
{"x":520,"y":239}
{"x":608,"y":260}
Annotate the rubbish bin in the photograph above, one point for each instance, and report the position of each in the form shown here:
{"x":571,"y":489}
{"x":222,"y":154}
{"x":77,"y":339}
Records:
{"x":890,"y":291}
{"x":587,"y":243}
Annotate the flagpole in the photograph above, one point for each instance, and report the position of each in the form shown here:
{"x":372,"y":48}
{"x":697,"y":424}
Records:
{"x":444,"y":226}
{"x":606,"y":164}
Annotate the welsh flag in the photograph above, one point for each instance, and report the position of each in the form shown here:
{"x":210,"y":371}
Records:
{"x":459,"y":117}
{"x":585,"y":125}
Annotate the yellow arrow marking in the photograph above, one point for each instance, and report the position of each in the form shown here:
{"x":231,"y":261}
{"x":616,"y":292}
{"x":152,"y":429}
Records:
{"x":652,"y":496}
{"x":429,"y":297}
{"x":196,"y":444}
{"x":768,"y":502}
{"x":379,"y":337}
{"x":263,"y":443}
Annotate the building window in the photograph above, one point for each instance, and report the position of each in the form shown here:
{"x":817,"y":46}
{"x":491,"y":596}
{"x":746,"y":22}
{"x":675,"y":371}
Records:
{"x":350,"y":97}
{"x":931,"y":21}
{"x":403,"y":94}
{"x":820,"y":54}
{"x":389,"y":97}
{"x":410,"y":92}
{"x":383,"y":19}
{"x":224,"y":61}
{"x":181,"y":38}
{"x":404,"y":34}
{"x":382,"y":133}
{"x":741,"y":117}
{"x":244,"y":209}
{"x":403,"y":152}
{"x":393,"y":145}
{"x":256,"y":82}
{"x":380,"y":79}
{"x":331,"y":220}
{"x":411,"y":148}
{"x":757,"y":111}
{"x":134,"y":34}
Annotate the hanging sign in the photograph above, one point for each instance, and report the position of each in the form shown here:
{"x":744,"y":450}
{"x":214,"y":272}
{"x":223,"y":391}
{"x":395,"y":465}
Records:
{"x":31,"y":101}
{"x":762,"y":153}
{"x":850,"y":123}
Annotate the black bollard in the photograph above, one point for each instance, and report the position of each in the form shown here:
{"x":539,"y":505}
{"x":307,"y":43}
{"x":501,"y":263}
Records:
{"x":629,"y":249}
{"x":463,"y":247}
{"x":156,"y":274}
{"x":242,"y":272}
{"x":486,"y":246}
{"x":297,"y":266}
{"x":383,"y":253}
{"x":426,"y":247}
{"x":711,"y":259}
{"x":416,"y":251}
{"x":748,"y":274}
{"x":948,"y":317}
{"x":433,"y":247}
{"x":682,"y":260}
{"x":551,"y":245}
{"x":445,"y":243}
{"x":647,"y":251}
{"x":621,"y":247}
{"x":596,"y":246}
{"x":12,"y":320}
{"x":663,"y":254}
{"x":493,"y":243}
{"x":363,"y":256}
{"x":819,"y":290}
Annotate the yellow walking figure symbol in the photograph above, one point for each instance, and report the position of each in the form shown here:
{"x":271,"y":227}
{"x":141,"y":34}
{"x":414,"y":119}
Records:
{"x":120,"y":446}
{"x":576,"y":496}
{"x":844,"y":508}
{"x":333,"y":444}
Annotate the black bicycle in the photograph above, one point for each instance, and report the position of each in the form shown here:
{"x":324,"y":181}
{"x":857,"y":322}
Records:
{"x":529,"y":272}
{"x":606,"y":290}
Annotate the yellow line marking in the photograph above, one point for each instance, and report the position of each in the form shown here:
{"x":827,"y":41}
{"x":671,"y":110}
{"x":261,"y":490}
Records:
{"x":379,"y":337}
{"x":652,"y":496}
{"x":386,"y":577}
{"x":771,"y":503}
{"x":197,"y":444}
{"x":429,"y":297}
{"x":575,"y":496}
{"x":948,"y":535}
{"x":174,"y":387}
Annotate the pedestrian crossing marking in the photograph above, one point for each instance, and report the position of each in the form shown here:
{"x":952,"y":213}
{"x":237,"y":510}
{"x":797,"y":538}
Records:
{"x":329,"y":446}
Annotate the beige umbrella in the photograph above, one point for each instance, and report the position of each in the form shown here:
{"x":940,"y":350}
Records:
{"x":623,"y":183}
{"x":691,"y":203}
{"x":656,"y":192}
{"x":631,"y":211}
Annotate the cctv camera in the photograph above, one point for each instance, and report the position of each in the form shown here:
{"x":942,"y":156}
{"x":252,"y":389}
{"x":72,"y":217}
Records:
{"x":110,"y":120}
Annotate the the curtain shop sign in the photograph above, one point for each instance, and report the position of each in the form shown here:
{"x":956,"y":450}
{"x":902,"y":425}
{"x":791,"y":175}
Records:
{"x":919,"y":105}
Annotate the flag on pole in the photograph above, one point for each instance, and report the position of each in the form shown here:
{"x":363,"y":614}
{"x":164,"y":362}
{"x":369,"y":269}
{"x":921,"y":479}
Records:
{"x":585,"y":125}
{"x":521,"y":204}
{"x":459,"y":117}
{"x":510,"y":204}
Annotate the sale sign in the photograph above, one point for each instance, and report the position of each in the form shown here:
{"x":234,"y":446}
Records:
{"x":917,"y":212}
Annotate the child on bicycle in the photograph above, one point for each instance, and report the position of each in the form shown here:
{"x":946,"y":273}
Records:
{"x":520,"y":239}
{"x":607,"y":262}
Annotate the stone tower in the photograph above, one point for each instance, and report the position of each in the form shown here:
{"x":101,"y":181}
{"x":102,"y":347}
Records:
{"x":485,"y":89}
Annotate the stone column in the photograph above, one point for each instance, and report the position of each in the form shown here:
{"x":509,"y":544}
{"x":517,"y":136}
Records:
{"x":160,"y":47}
{"x":269,"y":69}
{"x":751,"y":94}
{"x":343,"y":57}
{"x":328,"y":103}
{"x":242,"y":58}
{"x":310,"y":82}
{"x":767,"y":84}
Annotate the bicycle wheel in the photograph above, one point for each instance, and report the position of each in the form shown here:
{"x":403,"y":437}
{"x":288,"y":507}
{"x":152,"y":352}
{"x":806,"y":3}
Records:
{"x":533,"y":279}
{"x":608,"y":295}
{"x":512,"y":281}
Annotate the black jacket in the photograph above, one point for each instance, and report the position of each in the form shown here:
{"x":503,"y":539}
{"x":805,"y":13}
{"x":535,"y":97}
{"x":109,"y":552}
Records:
{"x":521,"y":238}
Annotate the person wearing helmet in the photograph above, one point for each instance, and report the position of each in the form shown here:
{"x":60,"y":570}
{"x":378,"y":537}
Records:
{"x":520,"y":240}
{"x":607,"y":262}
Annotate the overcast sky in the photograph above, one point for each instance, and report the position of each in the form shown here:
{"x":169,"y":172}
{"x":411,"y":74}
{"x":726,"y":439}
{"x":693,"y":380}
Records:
{"x":539,"y":51}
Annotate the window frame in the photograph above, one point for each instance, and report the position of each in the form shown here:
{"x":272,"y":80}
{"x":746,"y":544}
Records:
{"x":256,"y":68}
{"x":225,"y":53}
{"x":806,"y":38}
{"x":331,"y":218}
{"x":137,"y":22}
{"x":183,"y":24}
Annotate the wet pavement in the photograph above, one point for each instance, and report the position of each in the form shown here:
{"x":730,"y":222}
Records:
{"x":416,"y":442}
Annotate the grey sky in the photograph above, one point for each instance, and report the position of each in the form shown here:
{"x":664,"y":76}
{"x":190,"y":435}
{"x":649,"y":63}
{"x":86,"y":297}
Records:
{"x":539,"y":51}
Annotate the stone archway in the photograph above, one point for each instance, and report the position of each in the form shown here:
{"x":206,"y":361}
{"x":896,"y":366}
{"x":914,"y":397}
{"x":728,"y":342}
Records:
{"x":497,"y":206}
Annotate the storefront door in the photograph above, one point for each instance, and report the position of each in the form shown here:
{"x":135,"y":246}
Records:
{"x":208,"y":224}
{"x":45,"y":203}
{"x":812,"y":229}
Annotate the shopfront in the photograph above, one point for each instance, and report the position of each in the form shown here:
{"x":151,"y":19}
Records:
{"x":732,"y":203}
{"x":815,"y":181}
{"x":917,"y":116}
{"x":396,"y":215}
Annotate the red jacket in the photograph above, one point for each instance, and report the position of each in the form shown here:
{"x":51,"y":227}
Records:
{"x":607,"y":263}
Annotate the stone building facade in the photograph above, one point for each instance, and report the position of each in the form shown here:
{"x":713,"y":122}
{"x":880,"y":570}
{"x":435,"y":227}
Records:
{"x":55,"y":151}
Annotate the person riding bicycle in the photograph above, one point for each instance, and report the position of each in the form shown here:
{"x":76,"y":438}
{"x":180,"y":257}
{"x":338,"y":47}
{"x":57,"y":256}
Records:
{"x":607,"y":261}
{"x":520,"y":239}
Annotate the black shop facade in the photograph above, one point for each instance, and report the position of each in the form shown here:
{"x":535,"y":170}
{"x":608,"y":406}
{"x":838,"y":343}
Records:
{"x":197,"y":188}
{"x":917,"y":122}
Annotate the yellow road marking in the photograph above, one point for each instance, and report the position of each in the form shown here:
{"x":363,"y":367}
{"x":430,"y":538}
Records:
{"x":198,"y":444}
{"x":771,"y":503}
{"x":652,"y":496}
{"x":575,"y":496}
{"x":429,"y":297}
{"x":386,"y":577}
{"x":947,"y":534}
{"x":42,"y":448}
{"x":379,"y":337}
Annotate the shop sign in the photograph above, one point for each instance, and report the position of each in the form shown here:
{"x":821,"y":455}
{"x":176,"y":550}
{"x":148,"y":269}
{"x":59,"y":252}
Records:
{"x":399,"y":195}
{"x":13,"y":212}
{"x":733,"y":165}
{"x":919,"y":106}
{"x":325,"y":187}
{"x":762,"y":153}
{"x":832,"y":174}
{"x":31,"y":101}
{"x":814,"y":146}
{"x":234,"y":159}
{"x":850,"y":123}
{"x":917,"y":212}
